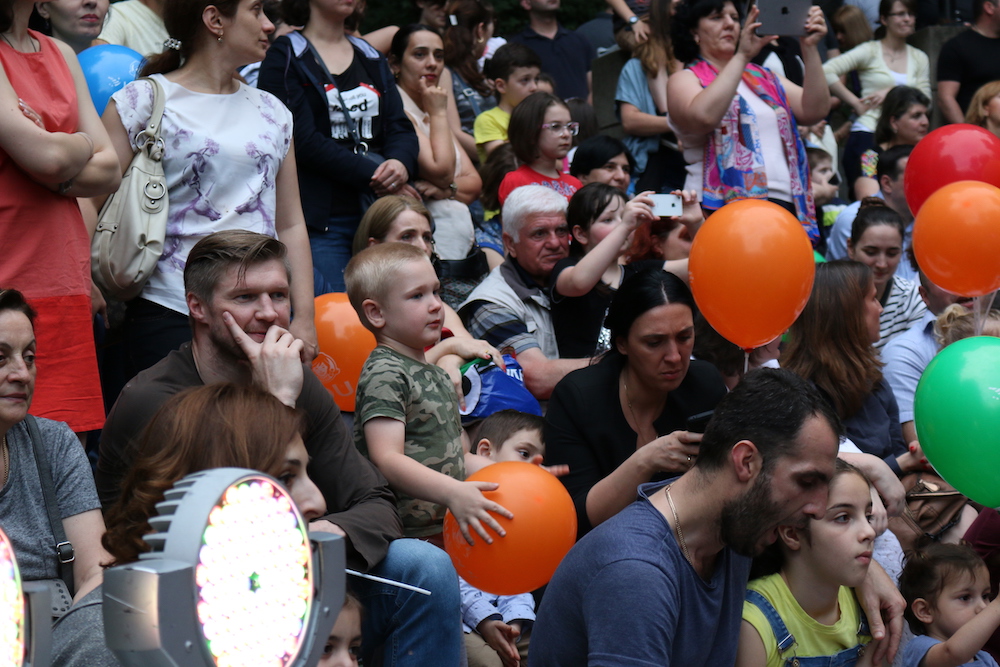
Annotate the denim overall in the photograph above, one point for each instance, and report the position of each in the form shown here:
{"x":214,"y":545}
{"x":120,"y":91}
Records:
{"x":786,"y":641}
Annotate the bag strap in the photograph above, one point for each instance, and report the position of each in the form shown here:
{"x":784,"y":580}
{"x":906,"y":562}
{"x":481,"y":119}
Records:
{"x":360,"y":146}
{"x":64,"y":549}
{"x":153,"y":129}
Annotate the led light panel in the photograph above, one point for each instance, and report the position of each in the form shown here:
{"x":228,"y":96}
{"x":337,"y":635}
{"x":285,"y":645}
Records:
{"x":254,"y":577}
{"x":12,"y":620}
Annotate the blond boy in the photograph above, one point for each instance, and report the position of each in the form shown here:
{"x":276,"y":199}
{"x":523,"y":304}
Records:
{"x":406,"y":416}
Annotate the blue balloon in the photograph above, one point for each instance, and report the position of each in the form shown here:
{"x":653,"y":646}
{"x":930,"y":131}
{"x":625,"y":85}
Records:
{"x":107,"y":68}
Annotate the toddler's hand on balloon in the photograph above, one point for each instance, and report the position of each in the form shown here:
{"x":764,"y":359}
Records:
{"x":472,"y":509}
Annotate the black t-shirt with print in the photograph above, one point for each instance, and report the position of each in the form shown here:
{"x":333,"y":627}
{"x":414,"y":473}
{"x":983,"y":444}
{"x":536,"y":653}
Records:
{"x":362,"y":96}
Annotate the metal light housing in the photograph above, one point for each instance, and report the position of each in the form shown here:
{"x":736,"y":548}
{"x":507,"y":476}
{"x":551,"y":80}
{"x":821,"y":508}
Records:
{"x":233,"y":579}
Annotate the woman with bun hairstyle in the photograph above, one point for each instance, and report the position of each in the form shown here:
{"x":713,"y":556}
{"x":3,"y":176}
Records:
{"x":469,"y":29}
{"x":228,"y":159}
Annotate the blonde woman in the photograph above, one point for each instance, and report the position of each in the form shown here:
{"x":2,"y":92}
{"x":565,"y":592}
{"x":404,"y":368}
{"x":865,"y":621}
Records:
{"x":984,"y":109}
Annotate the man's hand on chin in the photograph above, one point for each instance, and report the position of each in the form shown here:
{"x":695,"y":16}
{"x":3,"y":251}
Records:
{"x":275,"y":362}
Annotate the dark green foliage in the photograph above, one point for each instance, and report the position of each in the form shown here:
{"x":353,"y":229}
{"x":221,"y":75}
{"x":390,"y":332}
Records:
{"x":510,"y":17}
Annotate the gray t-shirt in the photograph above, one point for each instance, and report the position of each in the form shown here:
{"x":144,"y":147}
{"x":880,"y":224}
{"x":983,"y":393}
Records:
{"x":22,"y":508}
{"x":78,"y":637}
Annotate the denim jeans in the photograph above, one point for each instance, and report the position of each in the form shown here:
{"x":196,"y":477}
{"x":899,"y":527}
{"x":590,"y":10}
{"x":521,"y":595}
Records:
{"x":331,"y":249}
{"x":414,"y":629}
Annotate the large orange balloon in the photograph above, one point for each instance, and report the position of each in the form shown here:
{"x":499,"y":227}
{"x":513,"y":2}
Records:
{"x":751,"y":270}
{"x":344,"y":345}
{"x":542,"y":531}
{"x":956,"y":238}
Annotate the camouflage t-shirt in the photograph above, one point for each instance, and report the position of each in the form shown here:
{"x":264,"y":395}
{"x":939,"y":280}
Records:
{"x":422,"y":397}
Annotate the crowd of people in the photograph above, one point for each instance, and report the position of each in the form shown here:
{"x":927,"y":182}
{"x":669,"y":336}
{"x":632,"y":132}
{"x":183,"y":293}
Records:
{"x":457,"y":186}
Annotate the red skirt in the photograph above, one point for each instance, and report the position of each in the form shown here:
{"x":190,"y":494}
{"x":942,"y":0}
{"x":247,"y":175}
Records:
{"x":68,"y":387}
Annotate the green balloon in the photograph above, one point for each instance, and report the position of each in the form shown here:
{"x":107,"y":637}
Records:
{"x":957,"y":414}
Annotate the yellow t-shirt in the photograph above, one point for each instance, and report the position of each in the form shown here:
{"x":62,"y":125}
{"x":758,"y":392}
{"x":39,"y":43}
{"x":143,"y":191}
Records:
{"x":490,"y":126}
{"x":812,"y":638}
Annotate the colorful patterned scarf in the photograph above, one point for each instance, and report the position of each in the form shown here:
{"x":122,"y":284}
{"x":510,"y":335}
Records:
{"x":735,"y":169}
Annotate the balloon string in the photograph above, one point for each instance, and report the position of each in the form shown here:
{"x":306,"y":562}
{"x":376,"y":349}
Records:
{"x":746,"y":361}
{"x":977,"y":316}
{"x":980,"y":307}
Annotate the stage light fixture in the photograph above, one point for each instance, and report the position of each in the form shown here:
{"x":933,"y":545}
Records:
{"x":233,"y":579}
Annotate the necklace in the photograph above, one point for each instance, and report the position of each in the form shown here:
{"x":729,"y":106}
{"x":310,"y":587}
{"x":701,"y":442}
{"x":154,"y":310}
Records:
{"x":677,"y":528}
{"x":6,"y":461}
{"x":30,"y":41}
{"x":628,"y":400}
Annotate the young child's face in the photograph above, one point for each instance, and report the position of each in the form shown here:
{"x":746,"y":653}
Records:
{"x":524,"y":445}
{"x":522,"y":82}
{"x":823,"y":191}
{"x":609,"y":218}
{"x":551,"y":144}
{"x":962,"y":597}
{"x":412,"y":310}
{"x":840,"y":544}
{"x":344,"y":643}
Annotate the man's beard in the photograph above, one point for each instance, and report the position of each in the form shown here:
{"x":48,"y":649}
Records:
{"x":747,"y":519}
{"x":226,"y":347}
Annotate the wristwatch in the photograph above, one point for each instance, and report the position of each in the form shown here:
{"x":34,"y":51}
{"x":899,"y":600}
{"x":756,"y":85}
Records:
{"x":454,"y":189}
{"x":632,"y":20}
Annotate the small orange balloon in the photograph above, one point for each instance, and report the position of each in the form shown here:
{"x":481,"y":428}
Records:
{"x":956,"y":238}
{"x":542,"y":531}
{"x":752,"y":270}
{"x":344,"y":346}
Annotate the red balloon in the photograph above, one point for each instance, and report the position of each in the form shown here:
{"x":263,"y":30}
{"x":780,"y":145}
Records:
{"x":959,"y":152}
{"x":956,"y":238}
{"x":752,"y":270}
{"x":344,"y":346}
{"x":542,"y":531}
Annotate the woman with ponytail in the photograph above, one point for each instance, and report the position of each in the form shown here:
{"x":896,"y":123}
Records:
{"x":469,"y":29}
{"x":228,"y":159}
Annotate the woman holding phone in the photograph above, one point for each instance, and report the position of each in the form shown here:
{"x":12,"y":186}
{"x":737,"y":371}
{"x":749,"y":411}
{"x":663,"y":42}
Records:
{"x":738,"y":121}
{"x":623,"y":421}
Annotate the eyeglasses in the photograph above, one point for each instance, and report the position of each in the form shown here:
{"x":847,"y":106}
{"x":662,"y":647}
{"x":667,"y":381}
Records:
{"x":558,"y":128}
